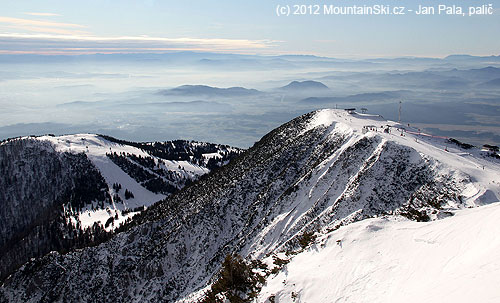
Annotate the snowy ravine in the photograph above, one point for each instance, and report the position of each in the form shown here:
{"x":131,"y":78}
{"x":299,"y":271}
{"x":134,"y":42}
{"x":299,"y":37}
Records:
{"x":62,"y":192}
{"x":314,"y":174}
{"x":394,"y":260}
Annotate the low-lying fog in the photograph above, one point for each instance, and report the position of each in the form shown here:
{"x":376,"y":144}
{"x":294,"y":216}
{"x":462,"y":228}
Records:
{"x":235,"y":99}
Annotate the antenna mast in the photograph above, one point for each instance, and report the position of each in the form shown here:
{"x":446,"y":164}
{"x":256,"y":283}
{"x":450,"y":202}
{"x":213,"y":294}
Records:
{"x":399,"y":117}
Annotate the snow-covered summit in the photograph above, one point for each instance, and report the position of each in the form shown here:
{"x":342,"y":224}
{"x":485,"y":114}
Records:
{"x":484,"y":169}
{"x":391,"y":258}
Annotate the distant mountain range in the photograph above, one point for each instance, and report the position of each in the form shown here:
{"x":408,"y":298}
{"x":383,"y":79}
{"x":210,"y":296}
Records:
{"x":196,"y":56}
{"x":209,"y":91}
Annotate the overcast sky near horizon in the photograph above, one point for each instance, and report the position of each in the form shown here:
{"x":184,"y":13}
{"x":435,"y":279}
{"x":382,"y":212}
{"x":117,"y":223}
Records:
{"x":250,"y":27}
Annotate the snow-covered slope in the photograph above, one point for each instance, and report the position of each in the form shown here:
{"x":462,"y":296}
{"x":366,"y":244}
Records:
{"x":378,"y":161}
{"x":58,"y":193}
{"x":394,"y":260}
{"x":96,"y":149}
{"x":313,"y":174}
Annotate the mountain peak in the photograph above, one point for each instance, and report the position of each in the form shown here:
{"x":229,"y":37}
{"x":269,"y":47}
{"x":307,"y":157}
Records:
{"x":349,"y":118}
{"x":305,"y":85}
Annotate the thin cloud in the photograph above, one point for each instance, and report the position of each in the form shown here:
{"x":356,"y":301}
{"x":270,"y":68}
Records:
{"x":48,"y":30}
{"x":39,"y":26}
{"x":41,"y":14}
{"x":84,"y":44}
{"x":29,"y":22}
{"x":50,"y":37}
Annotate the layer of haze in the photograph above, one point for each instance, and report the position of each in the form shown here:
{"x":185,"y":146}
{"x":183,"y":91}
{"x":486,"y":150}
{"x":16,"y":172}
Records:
{"x":136,"y":96}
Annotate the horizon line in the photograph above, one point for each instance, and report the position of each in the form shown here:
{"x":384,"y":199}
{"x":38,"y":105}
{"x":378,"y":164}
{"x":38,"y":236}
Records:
{"x":201,"y":52}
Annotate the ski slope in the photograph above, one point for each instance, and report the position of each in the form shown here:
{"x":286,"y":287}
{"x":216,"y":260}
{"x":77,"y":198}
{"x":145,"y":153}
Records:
{"x":455,"y":259}
{"x":96,"y":147}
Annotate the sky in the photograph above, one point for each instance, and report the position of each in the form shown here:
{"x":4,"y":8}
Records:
{"x":246,"y":27}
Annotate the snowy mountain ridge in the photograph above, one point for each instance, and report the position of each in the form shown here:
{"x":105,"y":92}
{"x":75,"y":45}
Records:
{"x":70,"y":191}
{"x":312,"y":175}
{"x":472,"y":162}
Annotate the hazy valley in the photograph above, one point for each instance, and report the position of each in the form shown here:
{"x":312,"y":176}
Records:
{"x":151,"y":97}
